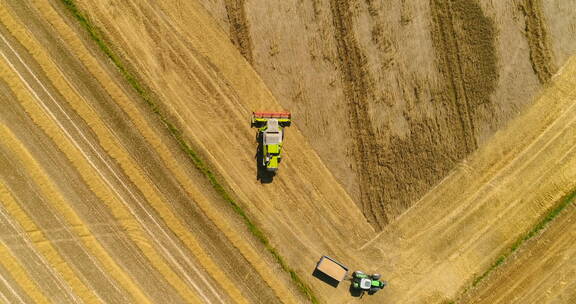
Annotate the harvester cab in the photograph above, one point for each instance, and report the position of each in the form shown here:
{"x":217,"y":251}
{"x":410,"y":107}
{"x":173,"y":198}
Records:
{"x":271,"y":134}
{"x":367,"y":283}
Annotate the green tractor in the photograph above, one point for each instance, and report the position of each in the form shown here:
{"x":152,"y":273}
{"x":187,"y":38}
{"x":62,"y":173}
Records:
{"x":362,"y":282}
{"x":270,"y":136}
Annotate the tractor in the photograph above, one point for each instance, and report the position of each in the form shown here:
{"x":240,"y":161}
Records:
{"x":270,"y":135}
{"x":367,"y":283}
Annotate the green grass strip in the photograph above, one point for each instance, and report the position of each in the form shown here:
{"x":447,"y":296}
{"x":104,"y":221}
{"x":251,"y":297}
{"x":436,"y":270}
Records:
{"x":564,"y":202}
{"x":177,"y":134}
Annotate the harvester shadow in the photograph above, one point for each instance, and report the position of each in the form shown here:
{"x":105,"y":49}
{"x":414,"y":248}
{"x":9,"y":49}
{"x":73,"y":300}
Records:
{"x":264,"y":176}
{"x":325,"y":278}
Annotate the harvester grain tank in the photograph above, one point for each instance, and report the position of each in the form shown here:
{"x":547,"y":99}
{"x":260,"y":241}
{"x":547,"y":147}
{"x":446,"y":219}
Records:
{"x":271,"y":134}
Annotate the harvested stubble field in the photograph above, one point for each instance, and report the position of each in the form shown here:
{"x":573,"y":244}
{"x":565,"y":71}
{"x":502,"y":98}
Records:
{"x":127,"y":168}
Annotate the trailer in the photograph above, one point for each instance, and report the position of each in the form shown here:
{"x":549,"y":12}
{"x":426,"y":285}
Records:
{"x":332,"y":268}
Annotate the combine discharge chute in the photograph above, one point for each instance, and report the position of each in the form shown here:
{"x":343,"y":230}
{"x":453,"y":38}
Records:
{"x":271,"y":134}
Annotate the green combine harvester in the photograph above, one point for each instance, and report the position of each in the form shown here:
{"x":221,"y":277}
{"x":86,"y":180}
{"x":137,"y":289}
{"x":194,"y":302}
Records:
{"x":270,"y":135}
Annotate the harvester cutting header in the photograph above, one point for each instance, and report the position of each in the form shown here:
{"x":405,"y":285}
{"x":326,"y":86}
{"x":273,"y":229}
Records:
{"x":270,"y":136}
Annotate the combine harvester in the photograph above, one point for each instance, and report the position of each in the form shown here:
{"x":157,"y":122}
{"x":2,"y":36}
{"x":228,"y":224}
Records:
{"x":270,"y":135}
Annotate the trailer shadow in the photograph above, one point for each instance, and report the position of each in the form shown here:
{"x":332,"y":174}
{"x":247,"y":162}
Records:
{"x":325,"y":278}
{"x":262,"y":175}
